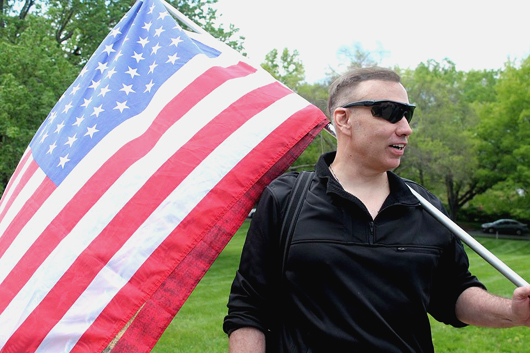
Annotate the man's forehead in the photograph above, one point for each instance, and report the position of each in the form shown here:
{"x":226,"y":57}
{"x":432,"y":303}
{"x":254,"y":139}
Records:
{"x":378,"y":90}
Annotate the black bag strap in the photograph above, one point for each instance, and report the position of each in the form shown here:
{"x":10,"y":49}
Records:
{"x":294,"y":206}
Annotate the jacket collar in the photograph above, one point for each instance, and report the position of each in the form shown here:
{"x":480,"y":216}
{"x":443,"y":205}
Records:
{"x":399,"y":191}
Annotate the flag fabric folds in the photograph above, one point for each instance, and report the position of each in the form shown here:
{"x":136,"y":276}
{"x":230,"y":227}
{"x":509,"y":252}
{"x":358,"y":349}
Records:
{"x":135,"y":182}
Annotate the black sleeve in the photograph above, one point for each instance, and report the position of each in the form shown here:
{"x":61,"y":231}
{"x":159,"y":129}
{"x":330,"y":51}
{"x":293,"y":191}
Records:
{"x":252,"y":296}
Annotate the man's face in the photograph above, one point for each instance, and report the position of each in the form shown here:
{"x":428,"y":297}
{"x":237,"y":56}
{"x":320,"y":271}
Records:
{"x":376,"y":143}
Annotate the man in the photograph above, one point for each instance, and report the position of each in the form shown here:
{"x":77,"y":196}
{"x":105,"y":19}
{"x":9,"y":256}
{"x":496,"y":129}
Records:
{"x":366,"y":262}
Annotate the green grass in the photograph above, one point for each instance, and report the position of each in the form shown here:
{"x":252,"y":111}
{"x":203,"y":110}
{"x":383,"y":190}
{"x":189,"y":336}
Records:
{"x":198,"y":325}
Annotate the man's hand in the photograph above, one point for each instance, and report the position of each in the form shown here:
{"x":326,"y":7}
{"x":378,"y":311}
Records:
{"x":521,"y":306}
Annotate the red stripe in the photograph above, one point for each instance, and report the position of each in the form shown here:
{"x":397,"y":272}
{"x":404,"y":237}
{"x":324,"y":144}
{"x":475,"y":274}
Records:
{"x":18,"y":169}
{"x":110,"y":172}
{"x":202,"y":219}
{"x":156,"y":190}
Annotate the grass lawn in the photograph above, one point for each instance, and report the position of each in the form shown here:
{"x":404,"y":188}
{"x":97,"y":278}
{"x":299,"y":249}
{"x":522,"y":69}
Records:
{"x":198,"y":325}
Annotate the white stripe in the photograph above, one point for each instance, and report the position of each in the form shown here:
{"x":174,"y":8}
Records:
{"x":127,"y":131}
{"x":162,"y":222}
{"x":12,"y":185}
{"x":25,"y":194}
{"x":97,"y":218}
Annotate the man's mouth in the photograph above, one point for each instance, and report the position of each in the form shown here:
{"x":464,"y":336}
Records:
{"x":398,"y":146}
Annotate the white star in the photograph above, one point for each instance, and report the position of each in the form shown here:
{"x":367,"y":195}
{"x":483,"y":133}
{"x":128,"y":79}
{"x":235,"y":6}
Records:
{"x":137,"y":57}
{"x":102,"y":67}
{"x":63,"y":161}
{"x":52,"y":147}
{"x":110,"y":73}
{"x":115,"y":32}
{"x":117,"y":56}
{"x":97,"y":110}
{"x":152,"y":67}
{"x":149,"y":86}
{"x":143,"y":41}
{"x":59,"y":127}
{"x":53,"y":115}
{"x":151,"y":9}
{"x":104,"y":91}
{"x":83,"y":72}
{"x":94,"y":84}
{"x":75,"y":89}
{"x":155,"y":48}
{"x":163,"y":15}
{"x":159,"y":31}
{"x":60,"y":99}
{"x":175,"y":41}
{"x":127,"y":89}
{"x":44,"y":137}
{"x":67,"y":107}
{"x":91,"y":131}
{"x":87,"y":102}
{"x":108,"y":49}
{"x":132,"y":72}
{"x":172,"y":58}
{"x":121,"y":106}
{"x":78,"y":120}
{"x":71,"y":140}
{"x":147,"y":26}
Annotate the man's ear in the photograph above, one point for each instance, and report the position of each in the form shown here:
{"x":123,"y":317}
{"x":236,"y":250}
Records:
{"x":342,"y":121}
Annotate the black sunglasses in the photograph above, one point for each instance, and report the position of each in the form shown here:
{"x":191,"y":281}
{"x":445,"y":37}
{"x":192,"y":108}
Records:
{"x":388,"y":110}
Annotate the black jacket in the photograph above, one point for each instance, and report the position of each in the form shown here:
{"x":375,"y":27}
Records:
{"x":352,"y":284}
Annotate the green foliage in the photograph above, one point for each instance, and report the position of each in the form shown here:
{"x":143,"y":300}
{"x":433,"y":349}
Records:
{"x":286,"y":68}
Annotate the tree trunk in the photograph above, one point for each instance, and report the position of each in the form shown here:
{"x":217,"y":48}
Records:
{"x":452,"y":198}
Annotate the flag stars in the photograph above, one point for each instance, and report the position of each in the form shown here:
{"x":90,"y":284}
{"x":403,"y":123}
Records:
{"x":117,"y":56}
{"x":143,"y":41}
{"x":67,"y":107}
{"x":51,"y":148}
{"x":101,"y":67}
{"x":44,"y":137}
{"x":121,"y":106}
{"x":132,"y":72}
{"x":155,"y":48}
{"x":78,"y":120}
{"x":63,"y":161}
{"x":115,"y":32}
{"x":94,"y":84}
{"x":109,"y":49}
{"x":172,"y":58}
{"x":75,"y":89}
{"x":159,"y":31}
{"x":137,"y":57}
{"x":147,"y":26}
{"x":127,"y":89}
{"x":175,"y":41}
{"x":152,"y":67}
{"x":110,"y":73}
{"x":162,"y":15}
{"x":149,"y":86}
{"x":97,"y":111}
{"x":104,"y":91}
{"x":87,"y":102}
{"x":83,"y":72}
{"x":71,"y":140}
{"x":59,"y":127}
{"x":151,"y":9}
{"x":91,"y":131}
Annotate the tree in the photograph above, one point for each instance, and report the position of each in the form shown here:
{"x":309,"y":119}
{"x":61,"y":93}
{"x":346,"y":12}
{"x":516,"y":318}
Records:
{"x":504,"y":149}
{"x":442,"y":153}
{"x":286,"y":68}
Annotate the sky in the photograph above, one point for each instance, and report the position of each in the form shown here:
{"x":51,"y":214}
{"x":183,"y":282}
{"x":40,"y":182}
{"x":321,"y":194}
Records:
{"x":474,"y":35}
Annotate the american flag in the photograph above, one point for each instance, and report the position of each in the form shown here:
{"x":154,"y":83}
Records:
{"x":135,"y":182}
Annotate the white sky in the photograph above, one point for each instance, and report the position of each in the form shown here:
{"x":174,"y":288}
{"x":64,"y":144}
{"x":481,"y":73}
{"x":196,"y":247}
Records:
{"x":472,"y":34}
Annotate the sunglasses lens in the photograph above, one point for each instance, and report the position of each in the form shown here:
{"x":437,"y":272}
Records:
{"x":392,"y":112}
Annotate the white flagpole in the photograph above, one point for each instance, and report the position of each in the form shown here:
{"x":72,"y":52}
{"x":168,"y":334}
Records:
{"x":184,"y":19}
{"x":459,"y":232}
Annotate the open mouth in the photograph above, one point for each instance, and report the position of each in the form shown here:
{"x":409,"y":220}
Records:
{"x":398,"y":147}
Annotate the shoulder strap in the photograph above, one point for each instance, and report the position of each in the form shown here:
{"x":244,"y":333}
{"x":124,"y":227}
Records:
{"x":294,"y":206}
